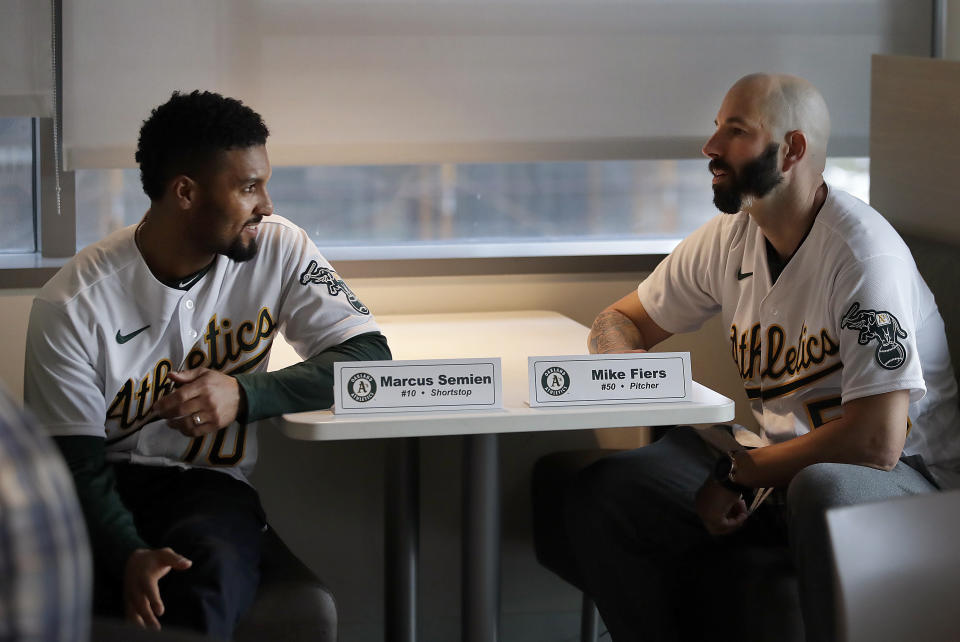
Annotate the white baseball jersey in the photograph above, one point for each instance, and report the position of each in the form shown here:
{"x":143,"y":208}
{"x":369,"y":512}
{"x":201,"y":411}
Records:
{"x":849,"y":317}
{"x":105,"y":333}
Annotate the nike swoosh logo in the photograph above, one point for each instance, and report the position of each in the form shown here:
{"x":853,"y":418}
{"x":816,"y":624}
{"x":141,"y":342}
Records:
{"x":123,"y":338}
{"x":741,"y":276}
{"x":184,"y":284}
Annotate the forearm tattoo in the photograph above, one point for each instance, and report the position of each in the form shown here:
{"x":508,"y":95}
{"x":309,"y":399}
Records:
{"x":612,"y":331}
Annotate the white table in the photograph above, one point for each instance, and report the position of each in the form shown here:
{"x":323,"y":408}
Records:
{"x":513,"y":336}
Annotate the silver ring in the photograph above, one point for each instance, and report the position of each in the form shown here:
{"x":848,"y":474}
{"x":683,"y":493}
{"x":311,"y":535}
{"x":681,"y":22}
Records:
{"x":196,"y":420}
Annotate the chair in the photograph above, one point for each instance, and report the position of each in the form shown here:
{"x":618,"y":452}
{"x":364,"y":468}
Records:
{"x":292,"y":604}
{"x":759,"y":601}
{"x":103,"y":629}
{"x":897,"y":568}
{"x":552,"y":474}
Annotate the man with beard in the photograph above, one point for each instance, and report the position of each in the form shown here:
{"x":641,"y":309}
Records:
{"x":842,"y":354}
{"x":146,"y":360}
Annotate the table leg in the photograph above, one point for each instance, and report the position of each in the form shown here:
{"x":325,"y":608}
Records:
{"x":401,"y":539}
{"x":480,"y":581}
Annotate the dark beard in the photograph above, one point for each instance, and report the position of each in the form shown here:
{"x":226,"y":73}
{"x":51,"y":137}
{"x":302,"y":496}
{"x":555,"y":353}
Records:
{"x":757,"y":178}
{"x":239,"y":252}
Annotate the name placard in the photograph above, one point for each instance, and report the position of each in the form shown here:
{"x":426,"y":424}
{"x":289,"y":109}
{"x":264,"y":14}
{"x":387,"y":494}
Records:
{"x":399,"y":386}
{"x":610,"y":378}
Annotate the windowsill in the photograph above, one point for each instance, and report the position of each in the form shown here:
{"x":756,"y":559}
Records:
{"x":429,"y":259}
{"x":488,"y":250}
{"x":27,"y":270}
{"x":463,"y":259}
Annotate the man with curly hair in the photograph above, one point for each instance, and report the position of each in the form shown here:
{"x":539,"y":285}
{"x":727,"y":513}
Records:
{"x":146,"y":360}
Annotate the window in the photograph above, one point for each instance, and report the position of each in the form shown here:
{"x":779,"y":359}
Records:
{"x":363,"y":154}
{"x":429,"y":211}
{"x":370,"y":105}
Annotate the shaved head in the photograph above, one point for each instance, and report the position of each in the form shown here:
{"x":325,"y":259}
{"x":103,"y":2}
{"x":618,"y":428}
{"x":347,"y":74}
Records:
{"x":789,"y":103}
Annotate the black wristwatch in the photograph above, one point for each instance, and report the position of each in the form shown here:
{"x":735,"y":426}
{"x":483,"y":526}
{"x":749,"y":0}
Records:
{"x":725,"y":471}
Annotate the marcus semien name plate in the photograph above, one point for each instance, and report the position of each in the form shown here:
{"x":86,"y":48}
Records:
{"x":581,"y":380}
{"x":417,"y":385}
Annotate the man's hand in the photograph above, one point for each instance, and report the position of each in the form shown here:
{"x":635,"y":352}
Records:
{"x":722,"y":510}
{"x":205,"y":401}
{"x":141,"y":592}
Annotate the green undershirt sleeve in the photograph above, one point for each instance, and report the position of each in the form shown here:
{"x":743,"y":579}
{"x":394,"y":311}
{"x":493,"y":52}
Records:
{"x":110,"y":526}
{"x":307,"y":385}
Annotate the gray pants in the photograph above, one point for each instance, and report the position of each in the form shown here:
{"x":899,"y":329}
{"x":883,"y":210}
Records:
{"x":635,"y":533}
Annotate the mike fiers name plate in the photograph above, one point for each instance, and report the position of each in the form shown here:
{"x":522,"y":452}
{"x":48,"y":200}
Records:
{"x":417,"y":385}
{"x":610,"y":378}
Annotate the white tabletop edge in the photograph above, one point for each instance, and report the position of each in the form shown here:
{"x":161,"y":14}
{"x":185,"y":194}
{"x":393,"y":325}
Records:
{"x":323,"y":425}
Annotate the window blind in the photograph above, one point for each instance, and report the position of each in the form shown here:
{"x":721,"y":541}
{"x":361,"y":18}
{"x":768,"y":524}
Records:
{"x":404,"y":81}
{"x":26,"y":76}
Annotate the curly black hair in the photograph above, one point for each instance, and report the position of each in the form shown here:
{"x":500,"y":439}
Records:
{"x":183,"y":136}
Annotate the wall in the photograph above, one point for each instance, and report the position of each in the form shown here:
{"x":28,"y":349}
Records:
{"x":953,"y":30}
{"x":326,"y":499}
{"x":914,"y":144}
{"x":14,"y":314}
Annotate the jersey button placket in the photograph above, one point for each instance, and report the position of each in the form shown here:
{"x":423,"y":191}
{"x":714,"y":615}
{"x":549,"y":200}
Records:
{"x":188,"y":324}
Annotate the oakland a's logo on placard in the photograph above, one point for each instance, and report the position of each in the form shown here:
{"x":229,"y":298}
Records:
{"x":361,"y":387}
{"x":555,"y":381}
{"x":881,"y":326}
